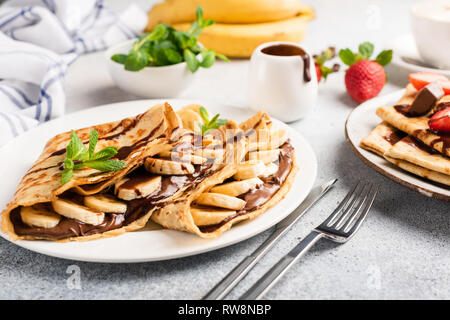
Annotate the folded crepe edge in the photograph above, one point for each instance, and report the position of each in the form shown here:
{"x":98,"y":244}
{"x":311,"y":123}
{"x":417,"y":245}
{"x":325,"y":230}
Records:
{"x":153,"y":147}
{"x":177,"y":216}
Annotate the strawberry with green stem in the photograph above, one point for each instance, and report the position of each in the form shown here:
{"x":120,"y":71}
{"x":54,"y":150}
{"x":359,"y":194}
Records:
{"x":365,"y":78}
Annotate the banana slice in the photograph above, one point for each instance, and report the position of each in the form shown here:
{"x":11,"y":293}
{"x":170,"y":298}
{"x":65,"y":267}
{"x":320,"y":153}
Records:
{"x":210,"y":152}
{"x":105,"y":203}
{"x":271,"y":169}
{"x":209,"y":216}
{"x":274,"y":141}
{"x":220,"y":200}
{"x":236,"y":188}
{"x":250,"y":169}
{"x":191,"y":120}
{"x":266,"y":156}
{"x":138,"y":187}
{"x":183,"y":157}
{"x":168,"y":167}
{"x":39,"y":216}
{"x":78,"y":212}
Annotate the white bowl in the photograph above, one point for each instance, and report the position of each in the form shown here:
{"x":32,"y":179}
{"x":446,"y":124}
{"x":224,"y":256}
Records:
{"x":150,"y":82}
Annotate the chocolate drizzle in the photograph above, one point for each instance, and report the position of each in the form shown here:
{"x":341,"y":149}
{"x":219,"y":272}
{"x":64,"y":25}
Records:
{"x":135,"y":208}
{"x":290,"y":50}
{"x":258,"y":196}
{"x":395,"y":136}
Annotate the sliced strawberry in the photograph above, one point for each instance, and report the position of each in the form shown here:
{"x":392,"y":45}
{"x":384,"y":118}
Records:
{"x":445,"y":86}
{"x":421,"y":79}
{"x":440,"y":121}
{"x":318,"y":72}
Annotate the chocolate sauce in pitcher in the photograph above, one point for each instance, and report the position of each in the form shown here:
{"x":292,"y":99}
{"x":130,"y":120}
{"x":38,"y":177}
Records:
{"x":290,"y":50}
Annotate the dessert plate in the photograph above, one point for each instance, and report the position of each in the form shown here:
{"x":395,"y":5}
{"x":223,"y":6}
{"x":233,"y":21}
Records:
{"x":407,"y":57}
{"x":152,"y":243}
{"x":360,"y":122}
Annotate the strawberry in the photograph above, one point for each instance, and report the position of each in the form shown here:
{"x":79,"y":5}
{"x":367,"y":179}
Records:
{"x":319,"y":61}
{"x":440,"y":121}
{"x":365,"y":78}
{"x":422,"y":79}
{"x":318,"y":72}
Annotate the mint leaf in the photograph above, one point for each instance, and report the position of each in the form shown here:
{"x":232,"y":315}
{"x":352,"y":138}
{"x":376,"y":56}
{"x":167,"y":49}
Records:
{"x":191,"y":60}
{"x":76,"y":146}
{"x":137,"y":60}
{"x":204,"y":114}
{"x":365,"y":49}
{"x":157,"y":33}
{"x":119,"y":58}
{"x":347,"y":56}
{"x":208,"y":59}
{"x":105,"y":165}
{"x":66,"y":175}
{"x":104,"y":154}
{"x":222,"y":57}
{"x":93,"y":138}
{"x":384,"y":57}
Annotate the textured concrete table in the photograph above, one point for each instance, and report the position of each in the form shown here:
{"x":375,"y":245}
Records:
{"x":401,"y":252}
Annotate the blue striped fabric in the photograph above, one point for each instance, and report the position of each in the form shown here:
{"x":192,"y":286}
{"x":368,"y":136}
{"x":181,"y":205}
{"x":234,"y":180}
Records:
{"x":39,"y":39}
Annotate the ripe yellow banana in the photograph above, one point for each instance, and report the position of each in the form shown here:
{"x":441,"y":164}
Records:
{"x":208,"y":216}
{"x":39,"y":216}
{"x":220,"y":200}
{"x":240,"y":40}
{"x":229,"y":11}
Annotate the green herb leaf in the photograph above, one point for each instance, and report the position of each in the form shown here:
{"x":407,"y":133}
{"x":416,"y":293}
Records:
{"x":93,"y":138}
{"x":222,"y":57}
{"x":204,"y":114}
{"x":208,"y":59}
{"x":347,"y":56}
{"x":119,"y":58}
{"x":104,"y":154}
{"x":384,"y":57}
{"x":105,"y":165}
{"x":365,"y":49}
{"x":66,"y":175}
{"x":166,"y":46}
{"x":77,"y":157}
{"x":191,"y":60}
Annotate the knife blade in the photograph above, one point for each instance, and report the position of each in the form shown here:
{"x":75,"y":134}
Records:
{"x":239,"y":272}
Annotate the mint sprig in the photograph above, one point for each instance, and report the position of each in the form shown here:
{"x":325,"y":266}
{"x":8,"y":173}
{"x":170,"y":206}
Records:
{"x":210,"y":124}
{"x":365,"y":51}
{"x":78,"y":156}
{"x":166,"y":46}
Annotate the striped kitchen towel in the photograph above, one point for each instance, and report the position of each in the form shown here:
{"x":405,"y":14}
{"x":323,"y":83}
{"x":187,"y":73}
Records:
{"x":39,"y":39}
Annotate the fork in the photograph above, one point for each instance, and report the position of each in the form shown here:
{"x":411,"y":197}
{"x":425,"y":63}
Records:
{"x":339,"y":227}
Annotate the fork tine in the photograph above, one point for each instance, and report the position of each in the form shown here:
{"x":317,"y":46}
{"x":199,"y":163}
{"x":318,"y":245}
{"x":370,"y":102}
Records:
{"x":344,"y":224}
{"x":365,"y":212}
{"x":343,"y":202}
{"x":344,"y":216}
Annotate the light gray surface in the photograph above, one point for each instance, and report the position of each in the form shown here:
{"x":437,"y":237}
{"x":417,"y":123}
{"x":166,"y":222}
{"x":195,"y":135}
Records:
{"x":401,"y":252}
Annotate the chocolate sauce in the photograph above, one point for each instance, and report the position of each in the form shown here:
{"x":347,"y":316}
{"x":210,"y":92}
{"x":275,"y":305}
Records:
{"x":403,"y":109}
{"x":419,"y":144}
{"x":290,"y":50}
{"x":136,"y":208}
{"x":258,"y":196}
{"x":395,"y":136}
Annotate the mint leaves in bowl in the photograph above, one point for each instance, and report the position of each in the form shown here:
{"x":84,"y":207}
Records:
{"x":161,"y":63}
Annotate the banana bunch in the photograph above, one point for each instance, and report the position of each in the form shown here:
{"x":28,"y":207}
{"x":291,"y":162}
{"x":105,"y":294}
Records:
{"x":240,"y":26}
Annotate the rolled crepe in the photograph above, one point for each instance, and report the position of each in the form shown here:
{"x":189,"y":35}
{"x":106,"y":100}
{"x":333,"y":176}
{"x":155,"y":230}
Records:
{"x":136,"y":138}
{"x":243,"y":189}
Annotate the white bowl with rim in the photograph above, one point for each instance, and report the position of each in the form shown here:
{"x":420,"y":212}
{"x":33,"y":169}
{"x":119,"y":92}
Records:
{"x":150,"y":82}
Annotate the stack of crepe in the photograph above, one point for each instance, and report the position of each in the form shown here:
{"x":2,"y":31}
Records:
{"x":170,"y":175}
{"x":408,"y":142}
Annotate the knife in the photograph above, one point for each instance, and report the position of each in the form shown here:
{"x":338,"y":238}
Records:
{"x":232,"y":279}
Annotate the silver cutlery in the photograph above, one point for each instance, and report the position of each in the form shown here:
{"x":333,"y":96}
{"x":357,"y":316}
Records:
{"x":339,"y":227}
{"x":230,"y":280}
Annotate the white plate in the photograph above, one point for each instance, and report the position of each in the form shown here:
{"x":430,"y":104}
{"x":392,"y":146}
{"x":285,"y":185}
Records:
{"x":360,"y":122}
{"x":406,"y":56}
{"x":146,"y":245}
